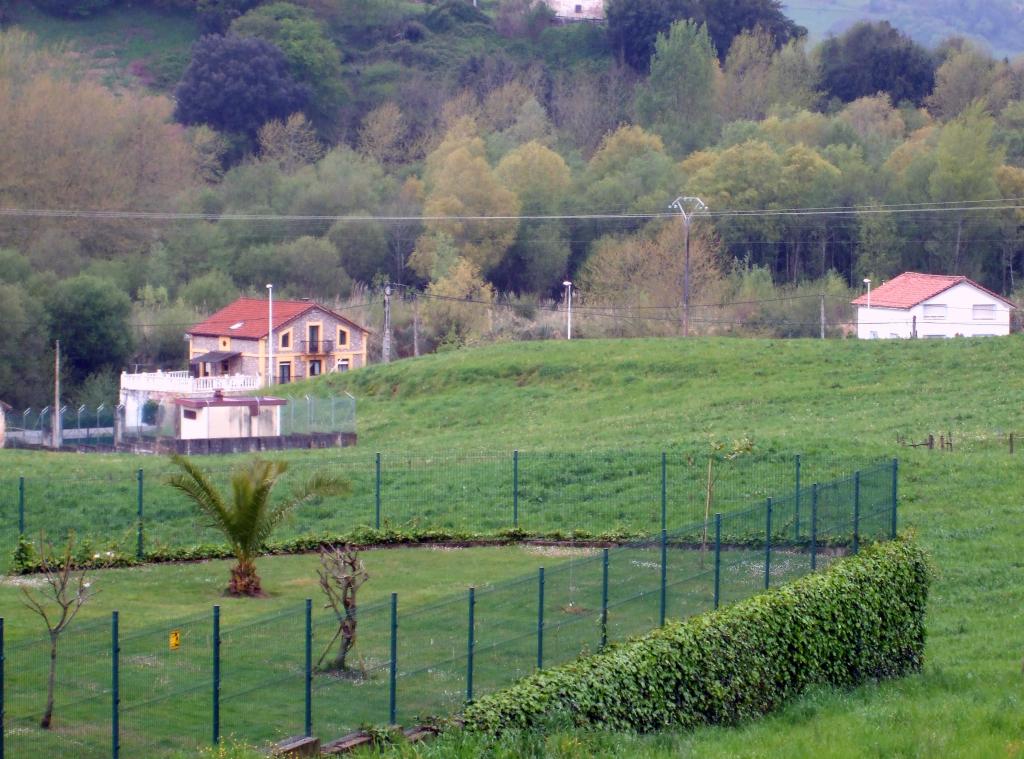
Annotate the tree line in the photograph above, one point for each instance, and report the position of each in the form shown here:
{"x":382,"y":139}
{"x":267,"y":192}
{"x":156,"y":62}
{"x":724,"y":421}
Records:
{"x":329,"y":150}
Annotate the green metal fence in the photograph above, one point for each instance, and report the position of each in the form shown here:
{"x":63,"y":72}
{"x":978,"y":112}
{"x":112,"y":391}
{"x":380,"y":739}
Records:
{"x":619,"y":491}
{"x":130,"y":690}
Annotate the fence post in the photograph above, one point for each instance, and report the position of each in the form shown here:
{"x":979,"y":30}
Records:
{"x":216,"y":675}
{"x":1011,"y":443}
{"x":796,"y":502}
{"x":470,"y":645}
{"x":814,"y":526}
{"x":393,"y":669}
{"x":664,"y":491}
{"x":718,"y":557}
{"x":767,"y":543}
{"x":309,"y":668}
{"x":604,"y":599}
{"x":376,"y":491}
{"x":20,"y":505}
{"x":2,"y":728}
{"x":515,"y":488}
{"x":115,"y":684}
{"x":856,"y":512}
{"x":895,"y":478}
{"x":139,"y":541}
{"x":540,"y":618}
{"x":664,"y":575}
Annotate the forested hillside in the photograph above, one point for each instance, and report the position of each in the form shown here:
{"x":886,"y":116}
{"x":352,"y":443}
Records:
{"x":995,"y":24}
{"x":159,"y":160}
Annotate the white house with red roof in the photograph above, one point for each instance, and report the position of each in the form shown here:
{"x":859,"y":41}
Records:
{"x":933,"y":306}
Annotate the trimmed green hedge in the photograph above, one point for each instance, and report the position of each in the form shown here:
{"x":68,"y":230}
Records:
{"x":90,"y":555}
{"x":861,"y":619}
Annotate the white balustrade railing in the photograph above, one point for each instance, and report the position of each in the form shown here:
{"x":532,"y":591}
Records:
{"x":183,"y":382}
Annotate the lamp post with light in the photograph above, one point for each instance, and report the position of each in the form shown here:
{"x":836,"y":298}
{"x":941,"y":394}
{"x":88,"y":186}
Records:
{"x":567,"y":284}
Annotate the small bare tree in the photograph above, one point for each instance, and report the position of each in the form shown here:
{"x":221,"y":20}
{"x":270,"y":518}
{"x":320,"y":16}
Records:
{"x":341,"y":573}
{"x":65,"y":591}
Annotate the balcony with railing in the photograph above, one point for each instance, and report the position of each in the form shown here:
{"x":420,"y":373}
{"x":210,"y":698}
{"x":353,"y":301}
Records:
{"x":185,"y":384}
{"x":315,"y":347}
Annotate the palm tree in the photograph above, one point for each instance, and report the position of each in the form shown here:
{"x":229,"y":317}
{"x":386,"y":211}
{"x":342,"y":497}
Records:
{"x":248,"y":519}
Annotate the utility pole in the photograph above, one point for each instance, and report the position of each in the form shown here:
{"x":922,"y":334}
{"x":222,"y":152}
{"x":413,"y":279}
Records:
{"x":823,"y":316}
{"x":56,"y":398}
{"x":415,"y":324}
{"x":687,"y":207}
{"x":568,"y":312}
{"x":385,"y":351}
{"x":270,"y":335}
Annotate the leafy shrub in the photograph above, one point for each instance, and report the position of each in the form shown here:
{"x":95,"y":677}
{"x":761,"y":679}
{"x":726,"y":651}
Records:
{"x":451,"y":13}
{"x":861,"y":619}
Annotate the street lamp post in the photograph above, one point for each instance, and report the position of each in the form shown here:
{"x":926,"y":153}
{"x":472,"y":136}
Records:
{"x":567,"y":284}
{"x":270,"y":335}
{"x":687,"y":207}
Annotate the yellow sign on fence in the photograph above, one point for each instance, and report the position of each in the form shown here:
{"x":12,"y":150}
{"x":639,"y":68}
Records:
{"x":174,"y":640}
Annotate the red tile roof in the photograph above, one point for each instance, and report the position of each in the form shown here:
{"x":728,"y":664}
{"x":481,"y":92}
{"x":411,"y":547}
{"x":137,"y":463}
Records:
{"x":911,"y":288}
{"x":247,"y":318}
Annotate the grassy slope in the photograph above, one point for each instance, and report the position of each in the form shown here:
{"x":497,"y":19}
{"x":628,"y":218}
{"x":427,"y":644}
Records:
{"x":118,"y":46}
{"x":851,"y":398}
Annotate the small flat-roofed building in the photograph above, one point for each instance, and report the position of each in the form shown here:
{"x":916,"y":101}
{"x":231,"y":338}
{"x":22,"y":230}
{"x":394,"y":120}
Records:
{"x":220,"y":417}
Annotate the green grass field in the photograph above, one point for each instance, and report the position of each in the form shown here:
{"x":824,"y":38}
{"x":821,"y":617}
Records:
{"x":844,"y":400}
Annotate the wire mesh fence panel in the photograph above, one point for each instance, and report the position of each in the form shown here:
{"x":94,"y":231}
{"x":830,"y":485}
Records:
{"x":573,"y":602}
{"x":592,"y":492}
{"x":634,"y":588}
{"x":456,"y":491}
{"x":262,"y":678}
{"x":876,"y":502}
{"x":505,"y":633}
{"x":432,"y":659}
{"x":334,"y":515}
{"x":166,"y":688}
{"x":80,"y":727}
{"x":346,"y":698}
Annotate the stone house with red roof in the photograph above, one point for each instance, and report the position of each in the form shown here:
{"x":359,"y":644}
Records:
{"x":931,"y":306}
{"x":308,"y":339}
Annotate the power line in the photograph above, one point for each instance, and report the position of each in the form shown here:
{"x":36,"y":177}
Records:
{"x":1000,"y":204}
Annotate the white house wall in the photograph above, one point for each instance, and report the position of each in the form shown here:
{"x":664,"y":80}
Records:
{"x":879,"y":323}
{"x":959,"y":318}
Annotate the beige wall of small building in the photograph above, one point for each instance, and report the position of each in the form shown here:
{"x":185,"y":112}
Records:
{"x":212,"y":422}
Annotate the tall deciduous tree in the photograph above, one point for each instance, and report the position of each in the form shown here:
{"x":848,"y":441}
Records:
{"x":677,"y":100}
{"x":91,"y":318}
{"x":461,"y":192}
{"x":634,"y":26}
{"x":873,"y":57}
{"x":541,"y":179}
{"x":313,"y":59}
{"x":965,"y":170}
{"x":237,"y":84}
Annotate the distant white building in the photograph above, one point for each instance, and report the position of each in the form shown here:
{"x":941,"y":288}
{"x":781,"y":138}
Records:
{"x":931,"y":305}
{"x":577,"y":10}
